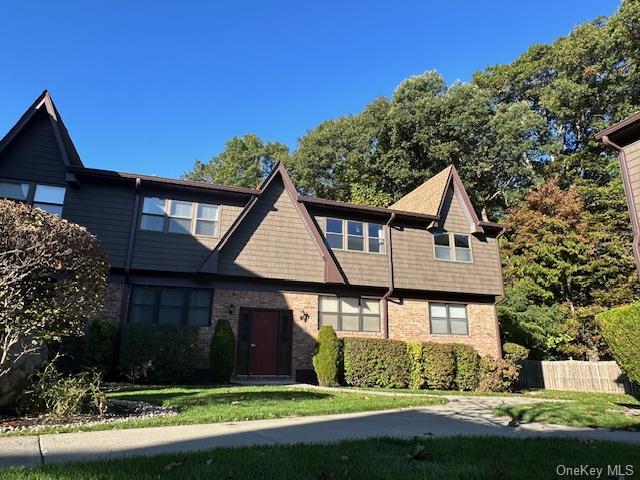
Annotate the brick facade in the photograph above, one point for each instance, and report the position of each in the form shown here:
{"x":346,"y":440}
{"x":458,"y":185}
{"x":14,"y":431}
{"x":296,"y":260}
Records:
{"x":114,"y":297}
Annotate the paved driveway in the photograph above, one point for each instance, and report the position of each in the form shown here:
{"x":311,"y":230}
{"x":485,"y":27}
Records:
{"x":463,"y":415}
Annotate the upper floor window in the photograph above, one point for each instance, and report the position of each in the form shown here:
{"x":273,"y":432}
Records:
{"x":49,"y":198}
{"x":452,"y":246}
{"x":350,"y":314}
{"x":360,"y":236}
{"x":170,"y":306}
{"x":448,"y":318}
{"x":178,"y":216}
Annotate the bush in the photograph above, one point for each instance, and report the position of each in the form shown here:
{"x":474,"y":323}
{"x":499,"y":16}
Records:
{"x":59,"y":396}
{"x":620,"y":327}
{"x":326,"y":357}
{"x":515,"y":353}
{"x":158,"y":353}
{"x":222,"y":352}
{"x":416,"y":374}
{"x":496,"y":375}
{"x":53,"y":278}
{"x":372,"y":362}
{"x":100,"y":346}
{"x":439,"y":365}
{"x":467,"y":363}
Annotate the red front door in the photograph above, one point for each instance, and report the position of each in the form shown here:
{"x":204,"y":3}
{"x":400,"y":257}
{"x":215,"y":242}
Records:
{"x":263,"y":347}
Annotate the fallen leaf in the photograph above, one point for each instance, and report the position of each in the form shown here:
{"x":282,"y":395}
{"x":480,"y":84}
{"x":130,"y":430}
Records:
{"x":235,"y":402}
{"x":420,"y":453}
{"x":344,"y":458}
{"x":171,"y":465}
{"x":209,"y":461}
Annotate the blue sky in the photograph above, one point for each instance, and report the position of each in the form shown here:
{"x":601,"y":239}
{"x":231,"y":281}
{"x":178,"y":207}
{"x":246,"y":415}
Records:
{"x":148,"y":87}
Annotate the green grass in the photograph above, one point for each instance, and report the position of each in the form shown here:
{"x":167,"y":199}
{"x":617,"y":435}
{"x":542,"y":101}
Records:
{"x":451,"y":458}
{"x":226,"y":404}
{"x":582,"y":410}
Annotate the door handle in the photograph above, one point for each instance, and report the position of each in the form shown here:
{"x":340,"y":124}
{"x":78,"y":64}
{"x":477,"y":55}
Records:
{"x":252,"y":345}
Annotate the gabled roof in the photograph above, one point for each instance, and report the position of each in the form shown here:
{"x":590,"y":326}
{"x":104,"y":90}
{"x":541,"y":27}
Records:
{"x":428,"y":198}
{"x":333,"y":273}
{"x":44,"y":103}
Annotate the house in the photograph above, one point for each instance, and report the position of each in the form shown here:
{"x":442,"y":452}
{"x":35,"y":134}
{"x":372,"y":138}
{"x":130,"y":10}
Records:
{"x":276,"y":264}
{"x":624,"y":137}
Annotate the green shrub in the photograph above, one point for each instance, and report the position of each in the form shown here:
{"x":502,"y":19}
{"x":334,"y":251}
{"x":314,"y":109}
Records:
{"x":158,"y":353}
{"x":222,"y":352}
{"x":372,"y":362}
{"x":57,"y":395}
{"x":515,"y":353}
{"x":100,"y":346}
{"x":620,"y":328}
{"x":439,"y":365}
{"x":467,"y":363}
{"x":326,"y":358}
{"x":416,"y":374}
{"x":496,"y":375}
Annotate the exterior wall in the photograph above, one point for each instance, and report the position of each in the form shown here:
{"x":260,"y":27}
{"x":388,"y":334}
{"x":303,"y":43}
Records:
{"x":273,"y":242}
{"x":35,"y":155}
{"x":410,"y":321}
{"x":116,"y":294}
{"x":416,"y":268}
{"x":632,"y":156}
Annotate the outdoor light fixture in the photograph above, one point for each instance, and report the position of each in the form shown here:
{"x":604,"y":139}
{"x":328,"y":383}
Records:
{"x":304,"y":316}
{"x":231,"y":307}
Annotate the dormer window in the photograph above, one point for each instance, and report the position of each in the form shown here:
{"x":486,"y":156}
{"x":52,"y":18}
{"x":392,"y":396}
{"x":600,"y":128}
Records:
{"x":453,"y":247}
{"x":179,"y":216}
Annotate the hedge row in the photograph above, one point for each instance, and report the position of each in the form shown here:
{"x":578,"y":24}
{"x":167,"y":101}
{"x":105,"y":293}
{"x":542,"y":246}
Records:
{"x":620,"y":327}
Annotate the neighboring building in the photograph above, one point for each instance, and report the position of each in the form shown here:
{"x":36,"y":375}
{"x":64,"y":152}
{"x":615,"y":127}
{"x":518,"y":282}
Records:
{"x":624,"y":137}
{"x":277,"y":265}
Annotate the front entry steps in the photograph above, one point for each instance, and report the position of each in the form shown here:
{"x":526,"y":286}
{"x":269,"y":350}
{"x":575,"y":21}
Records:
{"x":266,"y":380}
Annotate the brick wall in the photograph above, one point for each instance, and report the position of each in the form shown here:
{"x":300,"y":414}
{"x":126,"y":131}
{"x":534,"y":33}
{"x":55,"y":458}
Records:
{"x":113,"y":301}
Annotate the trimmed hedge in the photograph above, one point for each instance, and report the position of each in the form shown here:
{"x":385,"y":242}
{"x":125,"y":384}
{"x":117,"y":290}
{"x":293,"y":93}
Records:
{"x":439,"y":365}
{"x":467,"y":367}
{"x":222,"y":352}
{"x":326,"y":359}
{"x":158,"y":353}
{"x":496,"y":375}
{"x":515,"y":353}
{"x":372,"y":362}
{"x":100,"y":346}
{"x":416,"y":375}
{"x":620,"y":328}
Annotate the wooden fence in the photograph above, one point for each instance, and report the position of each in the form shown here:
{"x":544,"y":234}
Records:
{"x":576,"y":375}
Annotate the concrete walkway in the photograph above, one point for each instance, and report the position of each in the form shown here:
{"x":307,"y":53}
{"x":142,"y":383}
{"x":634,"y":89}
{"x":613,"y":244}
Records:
{"x":469,"y":416}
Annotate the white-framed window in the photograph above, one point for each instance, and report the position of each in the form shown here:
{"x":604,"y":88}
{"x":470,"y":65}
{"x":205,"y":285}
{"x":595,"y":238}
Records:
{"x":179,"y":216}
{"x":354,"y":235}
{"x":14,"y":190}
{"x":350,"y":314}
{"x":448,"y":318}
{"x":454,"y":247}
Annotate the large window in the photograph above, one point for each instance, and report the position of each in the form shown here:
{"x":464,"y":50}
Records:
{"x":49,"y":198}
{"x":350,"y":313}
{"x":170,"y":306}
{"x":360,"y":236}
{"x":178,"y":216}
{"x":454,"y":247}
{"x":448,"y":318}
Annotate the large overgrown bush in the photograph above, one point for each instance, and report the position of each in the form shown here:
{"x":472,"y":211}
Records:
{"x":515,"y":353}
{"x":57,"y":395}
{"x":326,"y":358}
{"x":497,"y":375}
{"x":370,"y":362}
{"x":467,"y":367}
{"x":222,"y":352}
{"x":52,"y":278}
{"x":439,"y":365}
{"x":158,"y":353}
{"x":416,"y":374}
{"x":621,"y":330}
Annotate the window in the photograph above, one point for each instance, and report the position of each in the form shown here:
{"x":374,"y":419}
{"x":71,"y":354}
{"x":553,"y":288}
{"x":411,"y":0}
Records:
{"x":334,"y":233}
{"x":442,"y":247}
{"x":152,"y":214}
{"x":14,"y":191}
{"x":49,"y":198}
{"x":178,"y":216}
{"x":350,"y":314}
{"x":448,"y":318}
{"x":170,"y":306}
{"x":376,"y":238}
{"x":361,"y":236}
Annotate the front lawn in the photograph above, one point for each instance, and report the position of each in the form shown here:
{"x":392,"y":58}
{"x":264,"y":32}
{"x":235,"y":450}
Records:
{"x":606,"y":410}
{"x":227,"y":404}
{"x":450,"y":458}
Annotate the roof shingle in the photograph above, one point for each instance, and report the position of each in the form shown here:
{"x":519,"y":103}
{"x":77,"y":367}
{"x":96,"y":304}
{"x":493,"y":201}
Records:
{"x":426,"y":199}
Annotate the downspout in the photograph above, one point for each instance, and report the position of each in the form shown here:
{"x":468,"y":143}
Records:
{"x":630,"y":202}
{"x":385,"y":297}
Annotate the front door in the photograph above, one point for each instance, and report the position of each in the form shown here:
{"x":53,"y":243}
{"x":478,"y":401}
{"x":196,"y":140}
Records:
{"x":263,"y":346}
